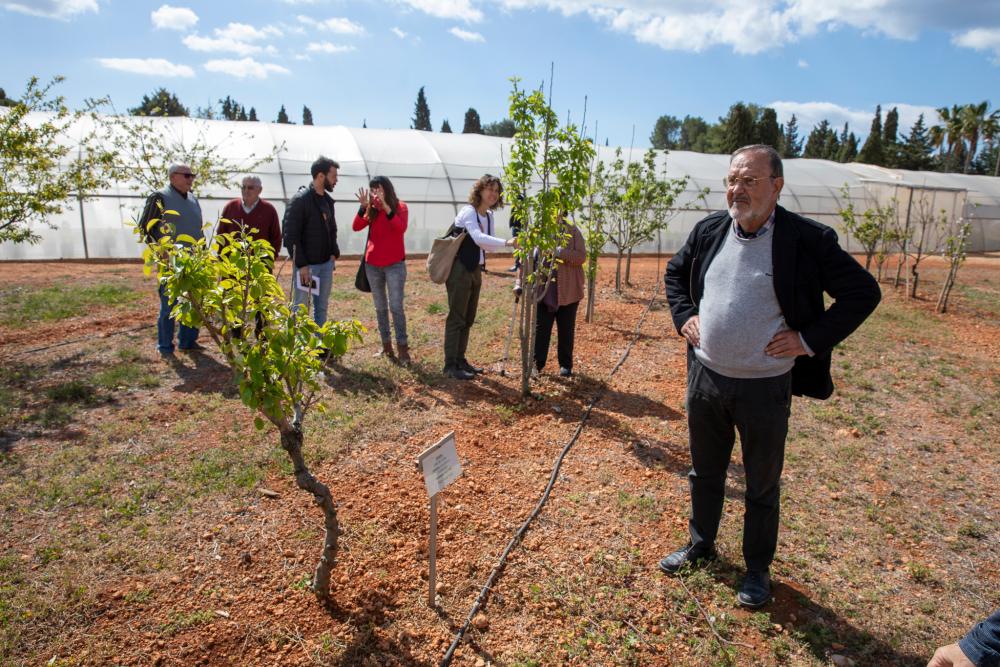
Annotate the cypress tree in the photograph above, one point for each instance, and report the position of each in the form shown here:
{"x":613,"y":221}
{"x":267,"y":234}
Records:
{"x":872,"y":152}
{"x":791,"y":144}
{"x":472,"y":123}
{"x":446,"y":126}
{"x":422,"y":113}
{"x":253,"y":114}
{"x":739,"y":128}
{"x":767,"y":130}
{"x":307,"y":116}
{"x":283,"y":116}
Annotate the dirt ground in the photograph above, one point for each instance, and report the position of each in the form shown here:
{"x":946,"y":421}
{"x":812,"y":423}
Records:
{"x":145,"y":521}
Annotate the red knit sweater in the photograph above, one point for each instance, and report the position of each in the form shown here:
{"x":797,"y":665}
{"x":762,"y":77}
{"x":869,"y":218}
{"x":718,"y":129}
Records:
{"x":385,"y":245}
{"x":263,"y":218}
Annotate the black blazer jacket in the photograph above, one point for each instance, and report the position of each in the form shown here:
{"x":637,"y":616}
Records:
{"x":808,"y":261}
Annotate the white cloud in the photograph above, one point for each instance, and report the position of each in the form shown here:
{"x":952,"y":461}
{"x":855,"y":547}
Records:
{"x":52,"y":9}
{"x":803,"y":63}
{"x":147,"y":66}
{"x":341,"y":26}
{"x":328,"y":47}
{"x":467,"y":36}
{"x":754,"y":26}
{"x":398,"y":33}
{"x":809,"y":114}
{"x":981,"y":39}
{"x":245,"y":68}
{"x":449,"y":9}
{"x":238,"y":38}
{"x":174,"y":18}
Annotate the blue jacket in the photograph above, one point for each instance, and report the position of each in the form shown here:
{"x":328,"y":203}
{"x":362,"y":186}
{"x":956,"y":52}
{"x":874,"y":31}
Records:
{"x":982,"y":644}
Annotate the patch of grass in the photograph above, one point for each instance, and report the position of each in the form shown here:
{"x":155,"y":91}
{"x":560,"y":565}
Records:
{"x":637,"y":507}
{"x":124,"y":375}
{"x":972,"y":529}
{"x":223,"y":470}
{"x":74,"y":391}
{"x":22,"y":306}
{"x":435,"y":308}
{"x":46,"y":555}
{"x":182,"y":621}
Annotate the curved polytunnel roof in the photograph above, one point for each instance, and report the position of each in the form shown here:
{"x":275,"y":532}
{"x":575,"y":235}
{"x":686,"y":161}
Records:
{"x":433,"y":173}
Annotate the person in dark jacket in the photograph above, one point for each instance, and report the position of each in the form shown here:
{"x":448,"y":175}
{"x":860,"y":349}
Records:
{"x":310,"y":232}
{"x":746,"y":292}
{"x":979,"y":648}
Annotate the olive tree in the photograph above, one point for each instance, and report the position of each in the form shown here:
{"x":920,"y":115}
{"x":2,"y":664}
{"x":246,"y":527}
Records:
{"x":226,"y":286}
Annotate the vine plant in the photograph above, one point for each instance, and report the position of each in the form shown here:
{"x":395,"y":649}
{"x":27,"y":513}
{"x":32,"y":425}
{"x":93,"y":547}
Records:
{"x":224,"y":288}
{"x":559,"y":158}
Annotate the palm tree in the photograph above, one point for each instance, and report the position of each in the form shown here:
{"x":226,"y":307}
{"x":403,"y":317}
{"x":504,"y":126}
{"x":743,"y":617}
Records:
{"x":948,"y":132}
{"x":973,"y":118}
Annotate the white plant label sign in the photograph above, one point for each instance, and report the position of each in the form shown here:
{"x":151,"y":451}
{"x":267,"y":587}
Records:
{"x":440,"y":464}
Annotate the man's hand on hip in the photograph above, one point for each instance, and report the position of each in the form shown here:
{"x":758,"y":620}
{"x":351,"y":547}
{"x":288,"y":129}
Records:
{"x":785,"y":344}
{"x":691,"y":331}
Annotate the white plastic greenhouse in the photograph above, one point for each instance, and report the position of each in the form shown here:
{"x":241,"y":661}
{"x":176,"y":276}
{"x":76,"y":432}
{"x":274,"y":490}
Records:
{"x":433,"y":172}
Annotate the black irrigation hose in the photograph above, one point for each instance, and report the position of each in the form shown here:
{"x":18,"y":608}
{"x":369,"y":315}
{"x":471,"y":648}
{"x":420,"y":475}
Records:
{"x":519,"y":535}
{"x":86,"y":338}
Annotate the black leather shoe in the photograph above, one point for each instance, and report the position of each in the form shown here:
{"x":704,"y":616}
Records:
{"x":565,"y":372}
{"x":194,"y":347}
{"x":686,"y":554}
{"x":458,"y":373}
{"x":468,"y":368}
{"x":755,"y":591}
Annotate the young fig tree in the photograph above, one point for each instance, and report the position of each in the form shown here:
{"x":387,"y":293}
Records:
{"x":275,"y":352}
{"x":558,"y":158}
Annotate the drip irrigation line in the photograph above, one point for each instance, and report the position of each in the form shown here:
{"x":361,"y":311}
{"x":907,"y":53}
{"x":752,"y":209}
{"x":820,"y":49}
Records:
{"x":86,"y":338}
{"x":553,"y":476}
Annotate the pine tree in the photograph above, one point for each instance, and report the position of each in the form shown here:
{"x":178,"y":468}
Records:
{"x":307,"y":116}
{"x":422,"y":113}
{"x":791,"y":144}
{"x":253,"y":114}
{"x":848,"y":147}
{"x":472,"y":122}
{"x":890,"y":138}
{"x":160,"y":103}
{"x":767,"y":130}
{"x":831,"y":145}
{"x":694,"y":133}
{"x":446,"y":127}
{"x":666,"y":133}
{"x":500,"y":128}
{"x":915,"y":152}
{"x":283,"y":116}
{"x":739,"y":128}
{"x":872,"y":152}
{"x":242,"y":115}
{"x":816,"y":142}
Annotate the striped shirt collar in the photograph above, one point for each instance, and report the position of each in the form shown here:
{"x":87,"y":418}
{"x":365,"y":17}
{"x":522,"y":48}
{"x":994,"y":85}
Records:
{"x":741,"y":233}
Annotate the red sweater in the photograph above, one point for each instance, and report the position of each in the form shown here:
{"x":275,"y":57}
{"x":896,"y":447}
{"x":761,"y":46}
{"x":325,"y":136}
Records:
{"x":263,"y":218}
{"x":385,"y":245}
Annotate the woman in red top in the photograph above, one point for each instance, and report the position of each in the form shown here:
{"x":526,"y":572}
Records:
{"x":385,"y":259}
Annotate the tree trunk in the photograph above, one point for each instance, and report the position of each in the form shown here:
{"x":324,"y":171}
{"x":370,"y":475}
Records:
{"x":628,"y":269}
{"x":899,"y":271}
{"x":590,"y":300}
{"x":526,"y":330}
{"x":618,"y":273}
{"x":291,"y":442}
{"x":916,"y":279}
{"x":868,"y":261}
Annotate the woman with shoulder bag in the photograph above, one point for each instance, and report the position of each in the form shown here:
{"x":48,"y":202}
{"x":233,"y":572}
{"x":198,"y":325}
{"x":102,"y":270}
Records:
{"x":386,"y":218}
{"x":466,"y":277}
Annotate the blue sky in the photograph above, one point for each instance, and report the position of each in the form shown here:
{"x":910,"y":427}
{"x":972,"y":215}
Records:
{"x":635,"y":60}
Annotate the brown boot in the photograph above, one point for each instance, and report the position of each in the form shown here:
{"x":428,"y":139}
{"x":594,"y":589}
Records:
{"x":404,"y":354}
{"x":387,"y":351}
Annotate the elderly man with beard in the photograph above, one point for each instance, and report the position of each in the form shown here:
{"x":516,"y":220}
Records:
{"x":746,"y":292}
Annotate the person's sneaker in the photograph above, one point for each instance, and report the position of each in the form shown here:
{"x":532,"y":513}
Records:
{"x":565,"y":372}
{"x":469,"y":368}
{"x":166,"y":354}
{"x":513,"y":269}
{"x":671,"y":563}
{"x":457,"y":373}
{"x":194,"y":347}
{"x":755,"y":591}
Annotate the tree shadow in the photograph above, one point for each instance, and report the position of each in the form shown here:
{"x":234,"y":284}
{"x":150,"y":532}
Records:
{"x":368,"y":613}
{"x":206,"y":376}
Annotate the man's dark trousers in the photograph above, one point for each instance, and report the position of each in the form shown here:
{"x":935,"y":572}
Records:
{"x":717,"y":407}
{"x":463,"y":302}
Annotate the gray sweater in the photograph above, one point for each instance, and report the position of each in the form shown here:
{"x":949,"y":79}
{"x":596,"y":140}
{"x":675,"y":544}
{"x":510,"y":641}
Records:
{"x":188,"y":219}
{"x":739,"y":312}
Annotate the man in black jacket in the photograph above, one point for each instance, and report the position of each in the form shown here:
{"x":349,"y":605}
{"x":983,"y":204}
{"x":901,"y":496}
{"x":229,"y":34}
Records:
{"x":310,"y":232}
{"x":746,"y":292}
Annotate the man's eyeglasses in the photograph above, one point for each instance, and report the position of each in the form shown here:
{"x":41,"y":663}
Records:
{"x":250,"y":187}
{"x":185,"y":175}
{"x":747,"y":181}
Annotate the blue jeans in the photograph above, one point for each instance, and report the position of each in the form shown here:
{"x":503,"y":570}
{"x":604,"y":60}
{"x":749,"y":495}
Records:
{"x":186,"y":337}
{"x":319,"y":301}
{"x":392,"y":277}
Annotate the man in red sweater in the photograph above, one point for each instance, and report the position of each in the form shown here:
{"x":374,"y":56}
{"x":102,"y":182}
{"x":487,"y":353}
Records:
{"x":255,"y":214}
